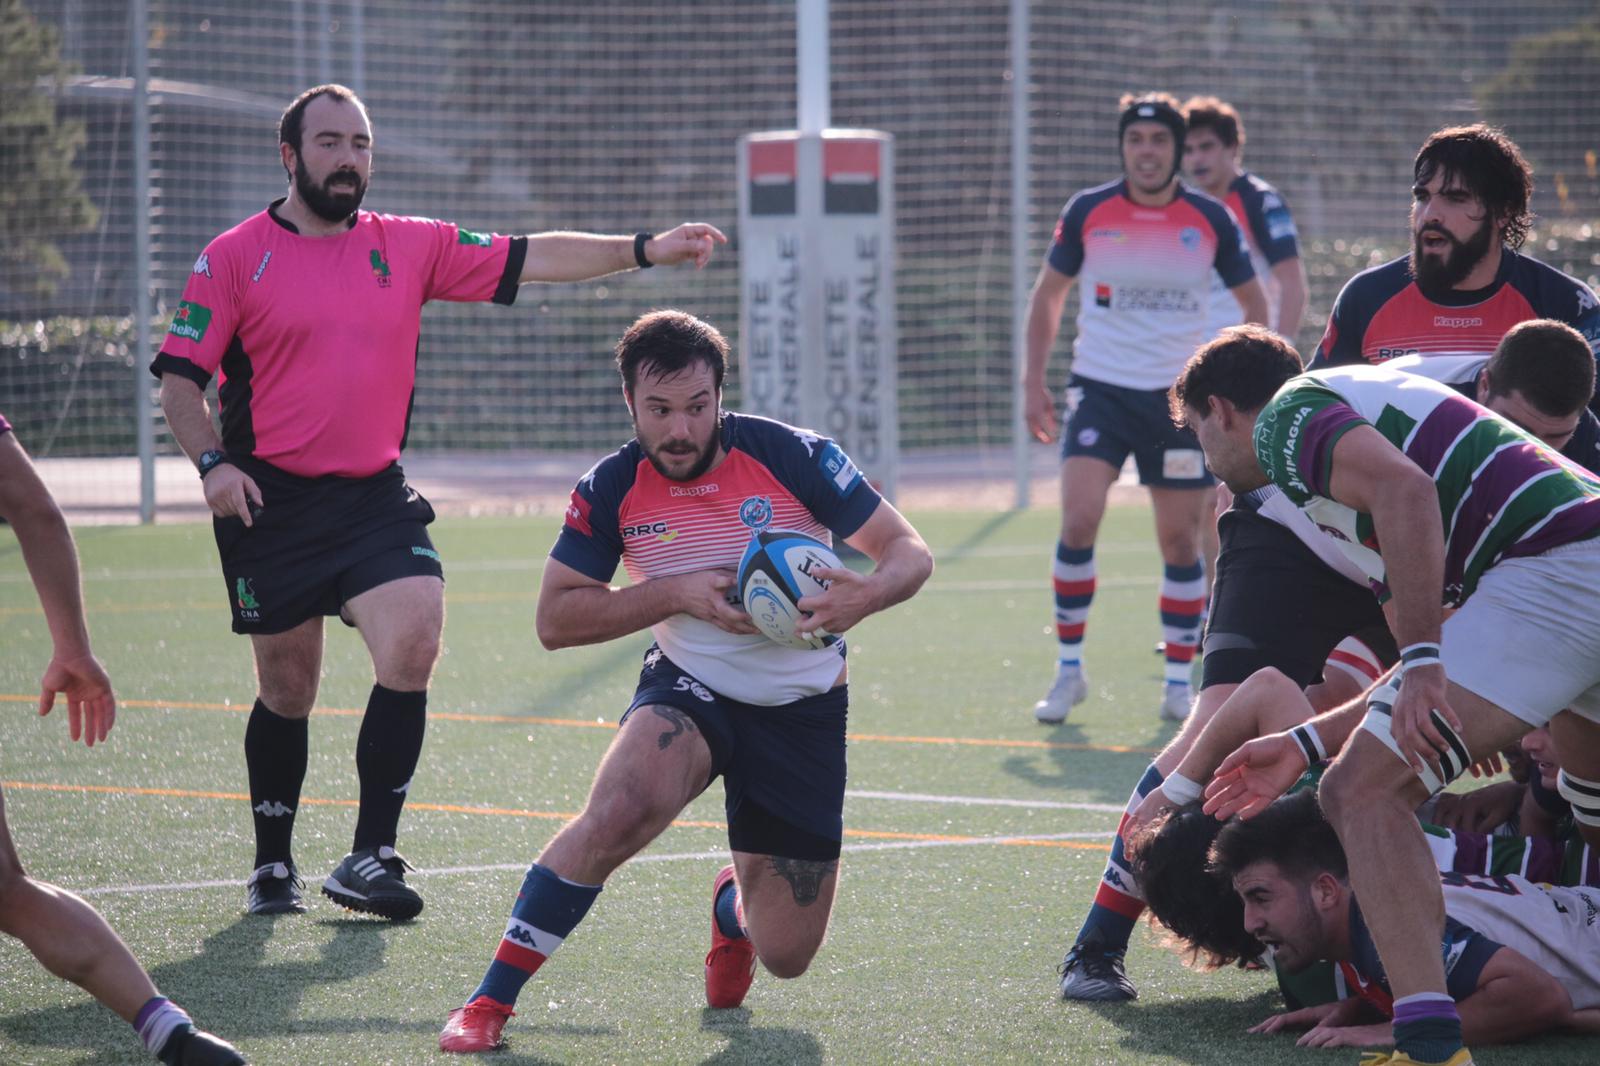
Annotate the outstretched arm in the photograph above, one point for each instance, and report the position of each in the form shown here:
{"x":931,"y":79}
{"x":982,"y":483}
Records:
{"x":565,"y":256}
{"x":52,"y":561}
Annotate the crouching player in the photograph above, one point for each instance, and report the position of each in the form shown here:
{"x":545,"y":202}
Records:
{"x":677,"y":506}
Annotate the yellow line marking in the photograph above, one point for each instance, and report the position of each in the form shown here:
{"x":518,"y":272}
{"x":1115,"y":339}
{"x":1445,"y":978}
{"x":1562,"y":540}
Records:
{"x":516,"y":812}
{"x":583,"y":723}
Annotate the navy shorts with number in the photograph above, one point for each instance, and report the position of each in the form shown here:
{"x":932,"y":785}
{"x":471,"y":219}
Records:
{"x":318,"y":542}
{"x":782,"y":768}
{"x":1108,"y":422}
{"x":1274,"y":603}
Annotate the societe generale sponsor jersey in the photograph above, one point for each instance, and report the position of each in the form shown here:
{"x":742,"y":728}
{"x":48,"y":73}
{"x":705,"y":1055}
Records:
{"x":1144,"y":279}
{"x":1381,"y":314}
{"x":1270,"y":237}
{"x":773,"y":476}
{"x":315,"y":338}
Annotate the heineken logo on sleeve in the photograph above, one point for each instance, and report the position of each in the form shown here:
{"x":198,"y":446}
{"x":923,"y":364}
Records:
{"x":482,"y":240}
{"x":190,"y":320}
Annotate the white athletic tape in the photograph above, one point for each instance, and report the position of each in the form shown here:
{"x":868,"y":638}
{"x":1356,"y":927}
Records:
{"x":1584,"y":795}
{"x":1181,"y":790}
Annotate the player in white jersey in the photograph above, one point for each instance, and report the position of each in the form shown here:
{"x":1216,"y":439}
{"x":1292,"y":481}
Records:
{"x":1141,"y":251}
{"x":1521,"y":959}
{"x":1212,"y":150}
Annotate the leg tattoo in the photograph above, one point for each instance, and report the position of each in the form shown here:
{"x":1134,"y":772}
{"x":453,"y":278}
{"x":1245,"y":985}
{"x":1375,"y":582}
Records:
{"x":681,"y":724}
{"x":804,"y":876}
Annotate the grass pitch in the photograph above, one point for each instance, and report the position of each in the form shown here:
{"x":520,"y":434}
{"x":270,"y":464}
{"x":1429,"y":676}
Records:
{"x":975,"y":839}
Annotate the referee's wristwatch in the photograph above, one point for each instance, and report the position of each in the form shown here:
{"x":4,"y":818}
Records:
{"x":210,"y":460}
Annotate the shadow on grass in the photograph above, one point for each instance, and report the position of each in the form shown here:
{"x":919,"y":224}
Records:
{"x":1200,"y":1030}
{"x":1062,"y":768}
{"x":229,"y":989}
{"x":749,"y":1045}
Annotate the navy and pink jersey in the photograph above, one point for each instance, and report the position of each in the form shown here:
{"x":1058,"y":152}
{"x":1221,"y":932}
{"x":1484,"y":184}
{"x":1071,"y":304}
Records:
{"x":1271,"y":238}
{"x":773,"y":476}
{"x":1381,"y":314}
{"x":1144,"y":278}
{"x":316,"y":337}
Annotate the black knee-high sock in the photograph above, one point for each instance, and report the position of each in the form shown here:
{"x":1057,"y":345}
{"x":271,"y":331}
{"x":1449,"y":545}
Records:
{"x":386,"y":756}
{"x":275,"y":754}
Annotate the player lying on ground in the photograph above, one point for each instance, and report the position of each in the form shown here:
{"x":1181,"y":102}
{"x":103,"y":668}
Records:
{"x":715,"y":697}
{"x":64,"y":933}
{"x":1520,"y":957}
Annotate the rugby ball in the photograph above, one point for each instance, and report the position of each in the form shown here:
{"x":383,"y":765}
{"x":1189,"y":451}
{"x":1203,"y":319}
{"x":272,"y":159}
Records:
{"x":778,"y":569}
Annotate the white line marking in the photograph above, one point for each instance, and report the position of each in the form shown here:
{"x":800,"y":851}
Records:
{"x":721,"y":853}
{"x":984,"y":801}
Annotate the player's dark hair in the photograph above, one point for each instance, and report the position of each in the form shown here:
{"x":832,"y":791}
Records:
{"x":291,"y":127}
{"x":1547,"y":361}
{"x":1290,"y":832}
{"x":1198,"y":906}
{"x":1244,"y":365}
{"x":1216,"y":115}
{"x":1487,"y":164}
{"x":670,"y":342}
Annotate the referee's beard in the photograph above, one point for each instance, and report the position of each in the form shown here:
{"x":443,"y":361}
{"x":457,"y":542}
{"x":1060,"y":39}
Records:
{"x":677,"y":452}
{"x":324,"y":202}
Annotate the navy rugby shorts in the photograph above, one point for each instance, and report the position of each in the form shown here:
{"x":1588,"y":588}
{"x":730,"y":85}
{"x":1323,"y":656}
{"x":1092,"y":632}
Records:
{"x":1108,"y":422}
{"x":782,"y":768}
{"x":318,"y":542}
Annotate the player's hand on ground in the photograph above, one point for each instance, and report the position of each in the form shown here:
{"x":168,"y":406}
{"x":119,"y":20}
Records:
{"x":230,"y":491}
{"x":1257,"y":773}
{"x":1305,"y":1018}
{"x":1422,"y":689}
{"x":91,"y":705}
{"x":848,"y":599}
{"x":705,"y":595}
{"x":1379,"y":1034}
{"x":692,"y":241}
{"x":1040,"y":409}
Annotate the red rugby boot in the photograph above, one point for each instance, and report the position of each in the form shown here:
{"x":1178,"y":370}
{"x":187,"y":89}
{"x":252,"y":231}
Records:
{"x":731,"y":963}
{"x":475,"y":1027}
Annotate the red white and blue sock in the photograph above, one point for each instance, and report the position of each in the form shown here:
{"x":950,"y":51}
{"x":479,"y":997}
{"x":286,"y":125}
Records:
{"x":1183,"y":601}
{"x":1074,"y":587}
{"x":1119,"y":901}
{"x":547,"y":910}
{"x":157,"y":1021}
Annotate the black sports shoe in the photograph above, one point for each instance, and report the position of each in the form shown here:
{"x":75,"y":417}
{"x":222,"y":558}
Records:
{"x":196,"y":1047}
{"x":275,"y":889}
{"x":373,"y":881}
{"x":1093,"y":972}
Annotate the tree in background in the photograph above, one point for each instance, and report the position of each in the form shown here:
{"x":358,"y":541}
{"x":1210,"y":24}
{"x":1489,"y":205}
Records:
{"x":1545,"y":98}
{"x":41,"y":195}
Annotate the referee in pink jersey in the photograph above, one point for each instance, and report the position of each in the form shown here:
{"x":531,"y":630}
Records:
{"x":310,"y":311}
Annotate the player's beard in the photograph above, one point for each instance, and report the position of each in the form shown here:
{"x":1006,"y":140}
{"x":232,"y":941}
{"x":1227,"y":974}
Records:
{"x":1438,"y":274}
{"x":322,"y":199}
{"x":705,"y":454}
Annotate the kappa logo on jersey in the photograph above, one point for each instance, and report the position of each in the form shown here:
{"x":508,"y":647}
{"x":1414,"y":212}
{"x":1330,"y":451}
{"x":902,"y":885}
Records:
{"x":466,"y":236}
{"x":190,"y":321}
{"x":380,"y":269}
{"x":837,"y":465}
{"x":808,"y":439}
{"x":1456,"y":322}
{"x":202,"y":266}
{"x":266,"y":257}
{"x":1586,"y":300}
{"x":756,"y":512}
{"x":693,"y":490}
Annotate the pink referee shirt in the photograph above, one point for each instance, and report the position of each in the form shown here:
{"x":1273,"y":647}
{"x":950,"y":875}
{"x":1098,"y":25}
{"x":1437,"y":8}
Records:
{"x":315,"y":338}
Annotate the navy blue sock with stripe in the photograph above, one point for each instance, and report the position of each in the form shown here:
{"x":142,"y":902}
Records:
{"x":547,"y":910}
{"x":1118,"y":901}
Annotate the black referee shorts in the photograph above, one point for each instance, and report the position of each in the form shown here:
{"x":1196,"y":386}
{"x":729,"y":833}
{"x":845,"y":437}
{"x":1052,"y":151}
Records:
{"x":1274,"y":603}
{"x":319,"y":542}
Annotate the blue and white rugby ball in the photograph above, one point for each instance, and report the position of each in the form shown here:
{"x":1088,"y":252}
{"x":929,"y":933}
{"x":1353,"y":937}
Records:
{"x":778,"y":569}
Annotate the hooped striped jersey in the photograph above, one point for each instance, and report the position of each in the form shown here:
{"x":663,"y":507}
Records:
{"x":1502,"y":493}
{"x":774,"y":476}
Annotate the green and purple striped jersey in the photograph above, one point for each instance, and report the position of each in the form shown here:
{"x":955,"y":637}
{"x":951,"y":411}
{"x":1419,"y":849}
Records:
{"x":1502,"y":493}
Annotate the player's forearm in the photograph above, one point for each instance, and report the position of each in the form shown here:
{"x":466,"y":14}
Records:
{"x":1405,"y":520}
{"x":1267,"y":702}
{"x":1043,"y":322}
{"x":1253,"y":302}
{"x":595,"y":614}
{"x":47,"y":548}
{"x":1291,"y":278}
{"x":902,"y":569}
{"x":564,"y":256}
{"x":188,"y":416}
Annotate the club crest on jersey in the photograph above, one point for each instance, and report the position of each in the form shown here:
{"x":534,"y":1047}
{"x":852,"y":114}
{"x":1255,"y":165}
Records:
{"x":756,"y":512}
{"x":380,"y":269}
{"x":1189,"y":237}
